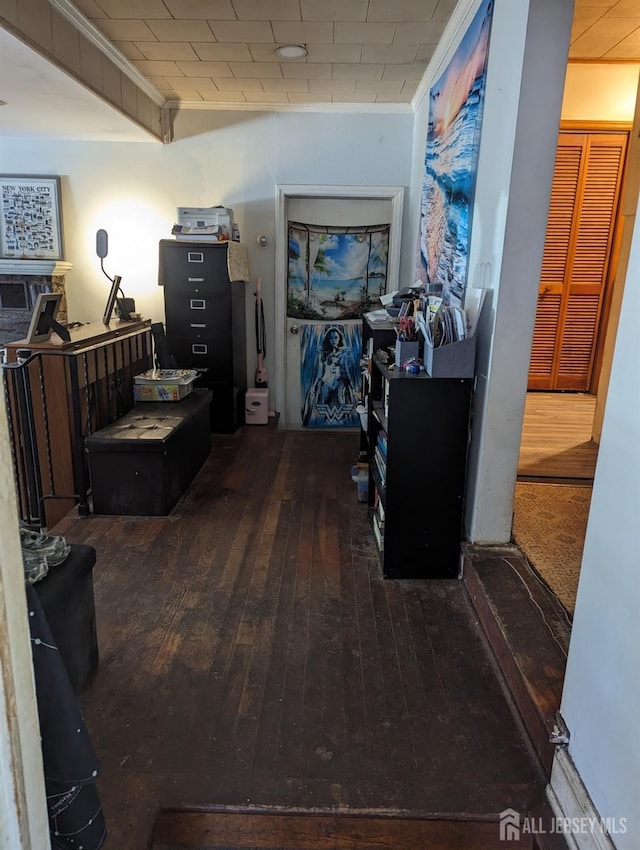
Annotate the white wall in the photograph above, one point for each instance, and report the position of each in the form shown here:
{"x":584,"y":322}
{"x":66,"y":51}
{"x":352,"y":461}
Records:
{"x":231,"y":158}
{"x":602,"y":682}
{"x":600,"y":91}
{"x":525,"y":81}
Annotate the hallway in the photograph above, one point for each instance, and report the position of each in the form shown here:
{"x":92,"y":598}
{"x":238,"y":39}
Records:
{"x":555,"y":477}
{"x":251,"y":654}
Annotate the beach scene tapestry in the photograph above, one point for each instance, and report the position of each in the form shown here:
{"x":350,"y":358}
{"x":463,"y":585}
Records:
{"x":336,"y":273}
{"x":456,"y":103}
{"x":330,"y":375}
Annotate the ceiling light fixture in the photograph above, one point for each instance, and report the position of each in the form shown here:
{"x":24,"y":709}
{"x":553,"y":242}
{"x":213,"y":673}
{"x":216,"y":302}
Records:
{"x":292,"y":51}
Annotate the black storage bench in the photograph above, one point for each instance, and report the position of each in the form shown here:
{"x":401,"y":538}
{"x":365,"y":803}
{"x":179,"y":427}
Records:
{"x":142,"y":463}
{"x":66,"y":596}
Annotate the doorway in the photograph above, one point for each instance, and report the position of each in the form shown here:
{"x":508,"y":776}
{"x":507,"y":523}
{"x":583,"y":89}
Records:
{"x":338,"y":205}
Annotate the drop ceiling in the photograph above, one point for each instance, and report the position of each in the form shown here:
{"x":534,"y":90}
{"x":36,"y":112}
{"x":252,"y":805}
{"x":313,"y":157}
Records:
{"x":221,"y":54}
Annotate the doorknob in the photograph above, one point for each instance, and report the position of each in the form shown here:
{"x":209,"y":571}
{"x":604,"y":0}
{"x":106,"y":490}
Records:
{"x":293,"y":329}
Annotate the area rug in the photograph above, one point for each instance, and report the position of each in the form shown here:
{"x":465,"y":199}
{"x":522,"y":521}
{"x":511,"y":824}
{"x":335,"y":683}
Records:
{"x":230,"y":828}
{"x":550,"y":523}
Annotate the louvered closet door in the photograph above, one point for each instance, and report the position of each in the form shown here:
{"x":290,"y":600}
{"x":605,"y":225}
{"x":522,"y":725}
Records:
{"x":576,"y":261}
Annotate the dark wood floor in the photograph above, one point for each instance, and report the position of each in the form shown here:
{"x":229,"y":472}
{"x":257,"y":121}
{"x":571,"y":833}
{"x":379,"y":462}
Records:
{"x":252,"y":654}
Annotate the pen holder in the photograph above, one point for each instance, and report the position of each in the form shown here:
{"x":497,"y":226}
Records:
{"x":406,"y":351}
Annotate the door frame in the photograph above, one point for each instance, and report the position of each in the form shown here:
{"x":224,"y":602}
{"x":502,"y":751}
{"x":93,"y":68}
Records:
{"x":284,"y":193}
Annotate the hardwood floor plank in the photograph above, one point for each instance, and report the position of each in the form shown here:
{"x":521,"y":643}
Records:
{"x":252,"y":652}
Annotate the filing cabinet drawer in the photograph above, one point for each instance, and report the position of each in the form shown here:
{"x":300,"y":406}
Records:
{"x":213,"y":358}
{"x":192,"y":267}
{"x":198,"y":315}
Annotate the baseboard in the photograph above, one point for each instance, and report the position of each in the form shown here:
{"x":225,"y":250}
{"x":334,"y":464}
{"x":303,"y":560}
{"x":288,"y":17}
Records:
{"x":569,"y":798}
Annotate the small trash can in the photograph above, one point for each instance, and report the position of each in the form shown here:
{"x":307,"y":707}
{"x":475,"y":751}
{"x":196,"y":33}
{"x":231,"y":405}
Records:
{"x":256,"y":406}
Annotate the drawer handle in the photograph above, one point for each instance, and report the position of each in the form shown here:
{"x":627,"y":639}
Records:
{"x":197,"y":304}
{"x":195,"y":257}
{"x":198,"y":325}
{"x":195,"y":279}
{"x":199,"y":348}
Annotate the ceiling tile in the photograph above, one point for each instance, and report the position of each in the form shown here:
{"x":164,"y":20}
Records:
{"x":174,"y":50}
{"x":158,"y":69}
{"x":311,"y":33}
{"x":294,"y":97}
{"x":334,"y":52}
{"x":203,"y":69}
{"x":264,"y":52}
{"x":379,"y":87}
{"x":237,"y":31}
{"x":306,"y":71}
{"x":401,"y":10}
{"x":350,"y":71}
{"x":404,"y":72}
{"x":334,"y":10}
{"x":179,"y":31}
{"x":267,"y":97}
{"x":237,"y":84}
{"x":347,"y":33}
{"x":419,"y":33}
{"x":271,"y":10}
{"x":216,"y":52}
{"x":129,"y":50}
{"x":135,"y":9}
{"x":401,"y":53}
{"x":444,"y":10}
{"x":624,"y":9}
{"x":216,"y":10}
{"x":128,"y":31}
{"x":286,"y":85}
{"x":594,"y":43}
{"x":255,"y":69}
{"x":333,"y":86}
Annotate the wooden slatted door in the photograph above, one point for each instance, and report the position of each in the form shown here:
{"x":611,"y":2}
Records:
{"x":577,"y":258}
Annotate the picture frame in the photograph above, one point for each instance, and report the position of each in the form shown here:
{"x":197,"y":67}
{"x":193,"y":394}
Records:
{"x":30,"y":217}
{"x":43,"y":319}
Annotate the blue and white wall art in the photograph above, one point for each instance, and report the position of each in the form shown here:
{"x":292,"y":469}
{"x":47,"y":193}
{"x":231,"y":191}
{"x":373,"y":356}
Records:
{"x":330,"y":375}
{"x":450,"y":163}
{"x":336,"y":273}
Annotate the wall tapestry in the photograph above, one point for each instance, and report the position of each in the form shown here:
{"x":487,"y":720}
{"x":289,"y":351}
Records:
{"x":336,"y":273}
{"x":456,"y":103}
{"x":330,"y":375}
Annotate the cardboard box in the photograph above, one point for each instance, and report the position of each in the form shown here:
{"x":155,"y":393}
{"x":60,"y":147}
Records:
{"x":163,"y":384}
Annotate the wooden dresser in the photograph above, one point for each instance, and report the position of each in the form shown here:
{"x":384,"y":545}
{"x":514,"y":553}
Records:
{"x":62,"y":393}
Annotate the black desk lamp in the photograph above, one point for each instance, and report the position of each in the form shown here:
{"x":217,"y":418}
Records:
{"x":124,"y":306}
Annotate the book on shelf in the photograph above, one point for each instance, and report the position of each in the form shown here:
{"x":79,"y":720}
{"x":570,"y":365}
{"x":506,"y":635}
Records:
{"x":381,"y":466}
{"x":378,"y":533}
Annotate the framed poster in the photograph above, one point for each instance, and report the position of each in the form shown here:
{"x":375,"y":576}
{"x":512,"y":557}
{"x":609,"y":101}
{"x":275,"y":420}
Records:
{"x":30,"y":217}
{"x":456,"y":102}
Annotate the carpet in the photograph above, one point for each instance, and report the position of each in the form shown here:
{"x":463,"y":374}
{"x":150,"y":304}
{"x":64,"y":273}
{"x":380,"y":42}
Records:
{"x":550,"y":523}
{"x":233,"y":828}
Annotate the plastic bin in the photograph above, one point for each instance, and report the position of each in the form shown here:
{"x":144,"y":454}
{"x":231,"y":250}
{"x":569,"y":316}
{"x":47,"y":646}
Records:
{"x":360,"y":475}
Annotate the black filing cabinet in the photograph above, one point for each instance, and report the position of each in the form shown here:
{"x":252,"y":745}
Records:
{"x":205,"y":324}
